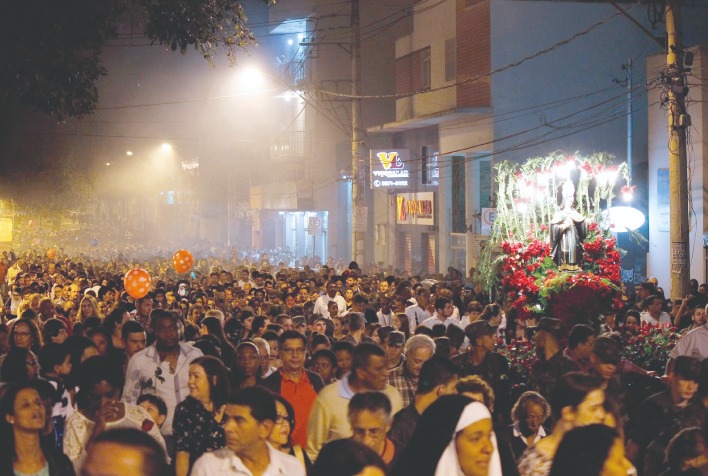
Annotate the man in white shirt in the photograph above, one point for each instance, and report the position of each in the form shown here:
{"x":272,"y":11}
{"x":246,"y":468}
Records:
{"x":693,"y":344}
{"x":248,"y":419}
{"x":419,"y":312}
{"x":322,"y":301}
{"x":162,"y":368}
{"x":385,"y":314}
{"x":653,"y":313}
{"x":443,"y":314}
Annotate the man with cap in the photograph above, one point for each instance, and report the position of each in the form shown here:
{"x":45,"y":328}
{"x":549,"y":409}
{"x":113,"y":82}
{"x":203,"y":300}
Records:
{"x":551,"y":363}
{"x":300,"y":324}
{"x":663,"y":415}
{"x":484,"y":361}
{"x":605,"y":357}
{"x":317,"y":324}
{"x":393,"y":345}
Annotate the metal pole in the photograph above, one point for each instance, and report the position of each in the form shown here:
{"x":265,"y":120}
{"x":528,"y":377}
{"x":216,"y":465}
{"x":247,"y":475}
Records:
{"x":678,"y":174}
{"x":629,"y":116}
{"x":357,"y":169}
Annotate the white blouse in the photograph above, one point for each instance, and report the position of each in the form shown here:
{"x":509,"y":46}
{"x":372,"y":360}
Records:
{"x":78,"y":430}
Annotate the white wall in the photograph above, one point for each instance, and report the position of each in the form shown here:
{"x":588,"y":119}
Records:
{"x":658,"y":259}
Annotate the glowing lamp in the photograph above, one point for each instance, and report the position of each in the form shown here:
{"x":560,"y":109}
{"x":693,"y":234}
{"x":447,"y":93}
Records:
{"x":623,"y":219}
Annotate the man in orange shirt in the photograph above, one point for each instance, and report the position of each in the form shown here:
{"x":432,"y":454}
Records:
{"x":294,"y":383}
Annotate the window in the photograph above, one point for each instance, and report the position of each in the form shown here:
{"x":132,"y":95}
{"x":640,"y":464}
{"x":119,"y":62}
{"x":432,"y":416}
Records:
{"x":425,"y":68}
{"x":459,"y":218}
{"x":450,"y":59}
{"x":430,"y":172}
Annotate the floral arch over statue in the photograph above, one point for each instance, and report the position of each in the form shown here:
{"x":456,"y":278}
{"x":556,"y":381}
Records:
{"x":550,"y":251}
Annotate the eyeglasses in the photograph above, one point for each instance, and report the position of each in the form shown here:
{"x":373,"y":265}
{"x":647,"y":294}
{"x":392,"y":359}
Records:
{"x":283,"y":419}
{"x":298,"y":350}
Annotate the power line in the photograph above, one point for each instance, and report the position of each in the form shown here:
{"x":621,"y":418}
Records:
{"x":481,"y":76}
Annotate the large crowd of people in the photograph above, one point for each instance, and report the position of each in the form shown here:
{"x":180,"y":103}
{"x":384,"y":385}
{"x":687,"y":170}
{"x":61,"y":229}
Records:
{"x":258,"y":368}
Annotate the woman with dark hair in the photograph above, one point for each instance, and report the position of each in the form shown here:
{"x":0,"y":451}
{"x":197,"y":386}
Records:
{"x":577,"y":400}
{"x":592,"y":450}
{"x":19,"y":367}
{"x":338,"y":328}
{"x":24,"y":333}
{"x":212,"y":326}
{"x":54,"y":330}
{"x":348,"y":458}
{"x":81,"y":348}
{"x":631,"y":321}
{"x":113,"y":322}
{"x":324,"y":364}
{"x":197,"y":421}
{"x":371,"y":330}
{"x":22,"y":422}
{"x":280,"y":435}
{"x":401,"y":322}
{"x":246,"y":366}
{"x":246,"y":318}
{"x":233,"y":330}
{"x":492,"y":314}
{"x":258,"y":326}
{"x":102,"y":338}
{"x":100,"y":382}
{"x":318,"y":342}
{"x":454,"y":436}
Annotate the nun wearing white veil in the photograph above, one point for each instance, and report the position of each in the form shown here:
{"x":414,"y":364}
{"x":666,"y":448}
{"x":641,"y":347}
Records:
{"x":454,"y":437}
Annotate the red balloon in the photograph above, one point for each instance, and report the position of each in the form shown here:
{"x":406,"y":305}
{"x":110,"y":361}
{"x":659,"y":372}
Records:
{"x":137,"y":282}
{"x":182,"y":261}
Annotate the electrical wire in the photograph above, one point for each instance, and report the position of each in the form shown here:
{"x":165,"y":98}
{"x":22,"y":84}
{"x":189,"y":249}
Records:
{"x":481,"y":76}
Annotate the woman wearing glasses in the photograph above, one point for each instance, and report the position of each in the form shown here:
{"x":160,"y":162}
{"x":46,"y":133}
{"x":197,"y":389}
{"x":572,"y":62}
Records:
{"x":280,"y":435}
{"x":24,"y":335}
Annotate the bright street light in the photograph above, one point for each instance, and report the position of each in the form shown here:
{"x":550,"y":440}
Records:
{"x":166,"y":147}
{"x":251,"y":79}
{"x":129,"y":153}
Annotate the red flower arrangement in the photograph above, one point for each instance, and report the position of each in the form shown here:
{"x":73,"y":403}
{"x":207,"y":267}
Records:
{"x":649,"y":345}
{"x":521,"y":356}
{"x":538,"y":289}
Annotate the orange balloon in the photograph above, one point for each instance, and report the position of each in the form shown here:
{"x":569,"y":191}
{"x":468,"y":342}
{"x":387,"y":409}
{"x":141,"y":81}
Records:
{"x":182,"y":261}
{"x":137,"y":282}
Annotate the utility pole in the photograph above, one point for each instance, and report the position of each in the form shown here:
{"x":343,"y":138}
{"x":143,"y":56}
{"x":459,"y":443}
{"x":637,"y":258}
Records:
{"x":357,"y":162}
{"x":628,"y":68}
{"x":678,"y":174}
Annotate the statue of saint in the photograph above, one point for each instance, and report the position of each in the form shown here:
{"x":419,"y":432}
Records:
{"x":568,"y":230}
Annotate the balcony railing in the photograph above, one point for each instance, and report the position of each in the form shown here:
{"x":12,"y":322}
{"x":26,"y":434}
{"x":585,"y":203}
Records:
{"x":290,"y":144}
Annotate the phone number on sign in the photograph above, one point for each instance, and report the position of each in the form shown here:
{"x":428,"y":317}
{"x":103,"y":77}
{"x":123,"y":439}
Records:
{"x":390,"y":183}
